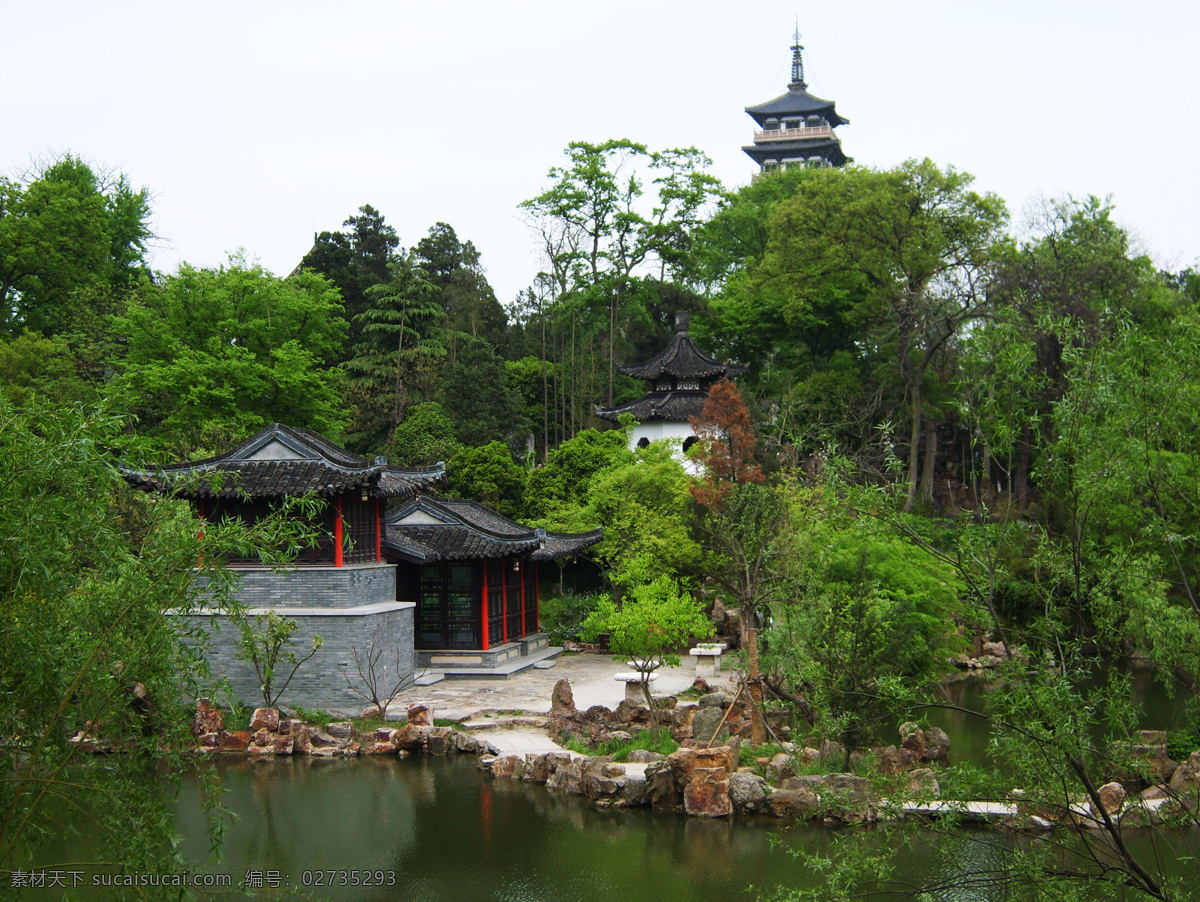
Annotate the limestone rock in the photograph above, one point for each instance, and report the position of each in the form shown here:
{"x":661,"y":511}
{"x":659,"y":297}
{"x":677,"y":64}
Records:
{"x":321,"y":739}
{"x":601,"y":779}
{"x":684,"y":761}
{"x":923,"y":784}
{"x":660,"y":785}
{"x":749,"y":793}
{"x":634,"y":791}
{"x":562,"y":699}
{"x":706,"y":722}
{"x":644,"y":756}
{"x":265,"y":719}
{"x":1112,"y":797}
{"x":937,"y":744}
{"x":465,"y":742}
{"x":341,"y":730}
{"x":440,"y":740}
{"x":411,"y":738}
{"x":1187,"y":776}
{"x":420,"y":715}
{"x":566,"y":777}
{"x":794,"y":803}
{"x":893,"y":761}
{"x":236,"y":741}
{"x":714,"y":700}
{"x":707,"y":793}
{"x":628,"y":712}
{"x":780,"y":768}
{"x":208,"y":718}
{"x":541,"y":767}
{"x":507,"y":766}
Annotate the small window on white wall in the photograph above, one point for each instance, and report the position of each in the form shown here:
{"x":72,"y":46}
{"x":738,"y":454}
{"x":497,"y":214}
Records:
{"x":643,"y":442}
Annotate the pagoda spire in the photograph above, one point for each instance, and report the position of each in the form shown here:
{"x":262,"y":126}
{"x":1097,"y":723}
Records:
{"x":797,"y":61}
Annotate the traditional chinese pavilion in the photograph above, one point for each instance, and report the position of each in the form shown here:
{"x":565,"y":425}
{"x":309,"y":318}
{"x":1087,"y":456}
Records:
{"x":340,"y":588}
{"x":677,"y":384}
{"x":796,"y":128}
{"x":473,"y":575}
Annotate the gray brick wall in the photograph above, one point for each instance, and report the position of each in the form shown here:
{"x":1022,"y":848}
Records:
{"x":351,"y":608}
{"x":316,"y":587}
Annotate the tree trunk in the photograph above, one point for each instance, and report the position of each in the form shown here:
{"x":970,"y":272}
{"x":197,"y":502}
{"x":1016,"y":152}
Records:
{"x":926,"y":488}
{"x":758,"y":732}
{"x":914,"y":447}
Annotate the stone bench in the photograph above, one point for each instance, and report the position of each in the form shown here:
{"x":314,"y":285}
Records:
{"x":633,"y":685}
{"x":708,"y":660}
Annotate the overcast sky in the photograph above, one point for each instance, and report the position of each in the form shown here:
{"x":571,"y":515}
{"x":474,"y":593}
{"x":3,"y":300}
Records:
{"x":255,"y":124}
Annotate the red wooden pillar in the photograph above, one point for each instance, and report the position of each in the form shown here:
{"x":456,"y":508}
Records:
{"x":337,"y":536}
{"x":378,"y":530}
{"x":524,"y":622}
{"x":504,"y":593}
{"x":484,"y":607}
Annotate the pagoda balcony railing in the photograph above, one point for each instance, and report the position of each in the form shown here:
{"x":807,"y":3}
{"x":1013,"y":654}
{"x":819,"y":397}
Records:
{"x":766,"y":136}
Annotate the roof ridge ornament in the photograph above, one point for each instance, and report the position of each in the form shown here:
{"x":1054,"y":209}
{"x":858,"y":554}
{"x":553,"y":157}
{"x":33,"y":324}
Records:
{"x":797,"y":61}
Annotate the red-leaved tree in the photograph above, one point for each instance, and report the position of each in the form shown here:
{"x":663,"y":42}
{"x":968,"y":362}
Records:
{"x":743,"y":521}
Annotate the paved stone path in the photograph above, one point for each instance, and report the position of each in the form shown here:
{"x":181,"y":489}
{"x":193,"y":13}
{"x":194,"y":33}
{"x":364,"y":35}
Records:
{"x":591,"y":678}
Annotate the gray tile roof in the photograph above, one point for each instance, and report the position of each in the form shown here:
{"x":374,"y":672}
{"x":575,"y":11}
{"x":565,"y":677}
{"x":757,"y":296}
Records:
{"x":449,"y":529}
{"x":282,"y":460}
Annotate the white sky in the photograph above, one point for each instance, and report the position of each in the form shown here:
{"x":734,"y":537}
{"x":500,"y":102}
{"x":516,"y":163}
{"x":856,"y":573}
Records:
{"x":255,"y":124}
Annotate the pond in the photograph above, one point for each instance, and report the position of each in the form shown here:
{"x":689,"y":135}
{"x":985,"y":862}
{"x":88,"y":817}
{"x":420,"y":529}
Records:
{"x":429,"y":829}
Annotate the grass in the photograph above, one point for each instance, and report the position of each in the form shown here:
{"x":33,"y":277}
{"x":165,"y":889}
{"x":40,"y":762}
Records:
{"x":619,"y":749}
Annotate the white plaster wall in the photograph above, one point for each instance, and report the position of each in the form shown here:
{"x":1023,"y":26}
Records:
{"x":666,"y":430}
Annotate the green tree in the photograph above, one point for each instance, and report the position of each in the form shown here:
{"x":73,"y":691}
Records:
{"x":266,"y":641}
{"x":355,"y":260}
{"x":564,"y":482}
{"x":398,"y":355}
{"x":488,"y":474}
{"x":645,"y":509}
{"x":65,"y":236}
{"x":425,"y":437}
{"x":215,"y":354}
{"x":470,"y":304}
{"x":88,"y":575}
{"x":649,"y":626}
{"x":893,"y":260}
{"x":476,"y":394}
{"x":869,"y":621}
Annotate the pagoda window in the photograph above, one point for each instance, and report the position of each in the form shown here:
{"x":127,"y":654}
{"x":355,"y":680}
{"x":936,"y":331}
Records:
{"x":770,"y":165}
{"x":791,"y":123}
{"x":689,"y":384}
{"x":771,"y":125}
{"x":662,"y":385}
{"x":815,"y":122}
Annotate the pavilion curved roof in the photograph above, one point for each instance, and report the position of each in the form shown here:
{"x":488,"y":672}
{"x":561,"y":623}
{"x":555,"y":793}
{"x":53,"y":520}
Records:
{"x":429,"y":530}
{"x":796,"y":102}
{"x":285,"y":460}
{"x":682,"y":358}
{"x":675,"y":406}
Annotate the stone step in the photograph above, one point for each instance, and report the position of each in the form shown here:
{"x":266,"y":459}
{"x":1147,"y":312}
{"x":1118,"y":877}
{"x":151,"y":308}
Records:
{"x":428,"y":679}
{"x":545,"y":665}
{"x":505,"y":670}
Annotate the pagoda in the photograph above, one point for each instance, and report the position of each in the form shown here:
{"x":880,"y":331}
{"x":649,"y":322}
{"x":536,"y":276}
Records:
{"x":796,"y":128}
{"x":677,"y":384}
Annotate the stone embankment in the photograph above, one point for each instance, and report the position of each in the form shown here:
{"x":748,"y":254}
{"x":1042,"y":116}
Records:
{"x":271,"y":735}
{"x":703,"y":778}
